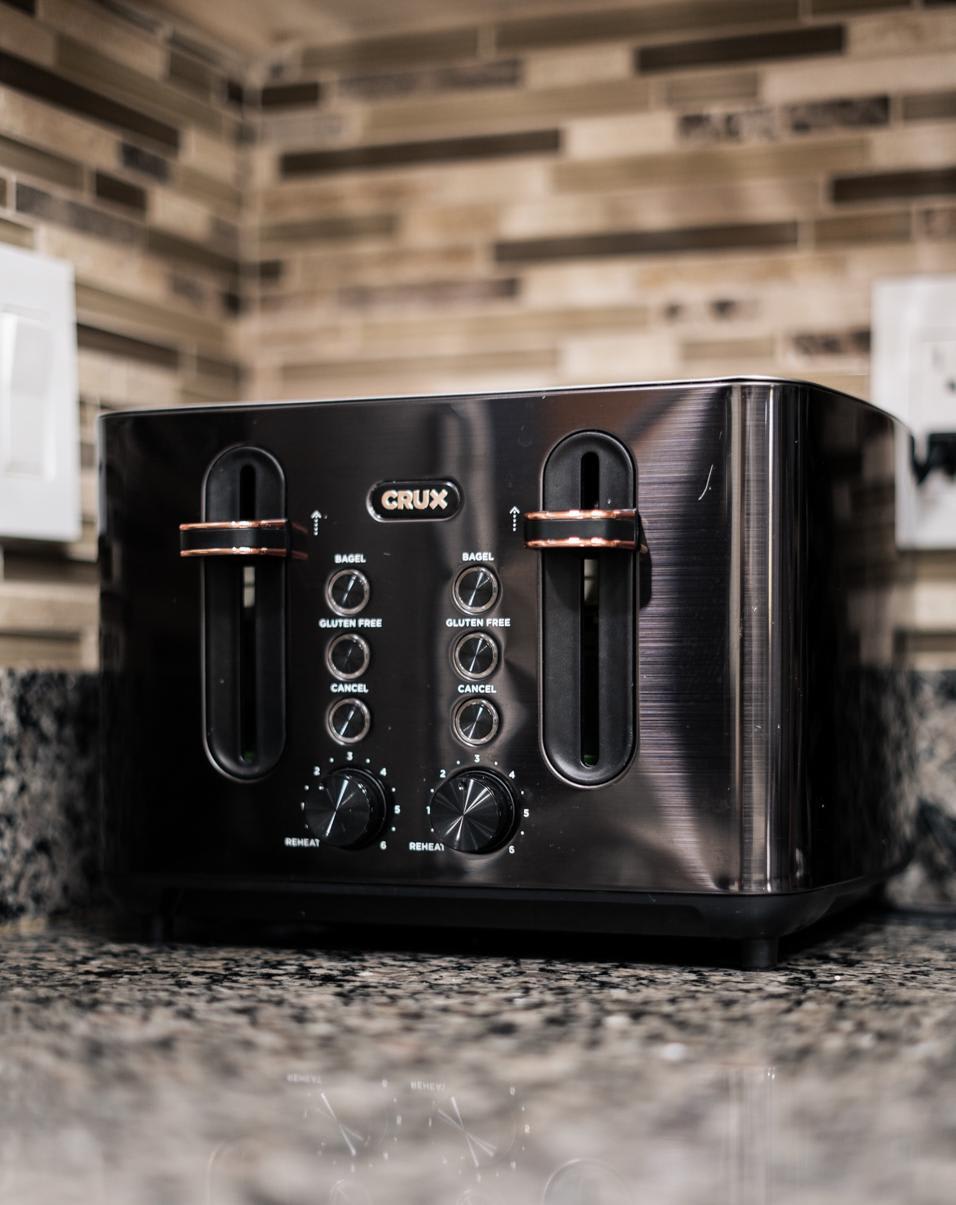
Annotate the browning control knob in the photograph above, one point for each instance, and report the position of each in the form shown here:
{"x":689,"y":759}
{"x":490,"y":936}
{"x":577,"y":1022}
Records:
{"x":347,"y":809}
{"x":473,"y":812}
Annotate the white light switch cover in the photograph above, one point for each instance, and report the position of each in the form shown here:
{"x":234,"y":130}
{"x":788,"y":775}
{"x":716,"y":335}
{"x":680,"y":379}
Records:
{"x":39,"y":448}
{"x":914,"y":377}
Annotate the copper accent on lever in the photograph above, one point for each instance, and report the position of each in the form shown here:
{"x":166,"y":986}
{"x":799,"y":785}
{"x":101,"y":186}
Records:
{"x":239,"y":537}
{"x":576,"y":529}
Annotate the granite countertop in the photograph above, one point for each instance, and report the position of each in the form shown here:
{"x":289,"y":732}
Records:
{"x":293,"y":1073}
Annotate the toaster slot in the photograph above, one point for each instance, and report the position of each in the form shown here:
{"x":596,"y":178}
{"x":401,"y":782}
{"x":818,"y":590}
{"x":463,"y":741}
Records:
{"x":246,"y":546}
{"x":586,"y":533}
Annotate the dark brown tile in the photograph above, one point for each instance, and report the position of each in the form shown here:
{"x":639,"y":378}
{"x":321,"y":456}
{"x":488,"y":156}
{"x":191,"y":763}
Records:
{"x":333,"y":228}
{"x":266,"y":271}
{"x":939,"y":222}
{"x":832,"y":343}
{"x":233,"y":304}
{"x":120,"y":192}
{"x":188,"y":288}
{"x":429,"y":292}
{"x":224,"y":234}
{"x":198,"y":50}
{"x":744,"y":125}
{"x":191,"y":73}
{"x":92,"y":338}
{"x":25,"y":6}
{"x":78,"y":217}
{"x":437,"y":47}
{"x":829,"y":8}
{"x":841,"y":113}
{"x":880,"y":226}
{"x":171,"y":246}
{"x":633,"y":22}
{"x":929,"y":106}
{"x":741,"y":48}
{"x":235,"y":93}
{"x":145,"y":162}
{"x":410,"y":154}
{"x":649,"y":242}
{"x":290,"y":96}
{"x":32,"y":161}
{"x":46,"y":85}
{"x":881,"y":186}
{"x":505,"y":73}
{"x":3,"y":192}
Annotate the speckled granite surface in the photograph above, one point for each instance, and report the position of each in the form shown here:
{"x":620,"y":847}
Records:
{"x":235,"y":1075}
{"x":48,"y":836}
{"x":48,"y":852}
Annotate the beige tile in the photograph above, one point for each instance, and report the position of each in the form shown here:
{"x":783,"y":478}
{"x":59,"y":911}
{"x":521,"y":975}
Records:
{"x":901,"y":33}
{"x":81,"y":63}
{"x":23,"y":36}
{"x":600,"y":137}
{"x":692,"y":90}
{"x":416,"y":364}
{"x":381,"y":192}
{"x":662,"y":208}
{"x":784,"y":82}
{"x":708,"y":166}
{"x":211,"y":155}
{"x":28,"y":160}
{"x":444,"y":224}
{"x":608,"y":358}
{"x":15,"y":234}
{"x":217,"y":193}
{"x":128,"y":315}
{"x":507,"y":109}
{"x":180,"y":215}
{"x":610,"y":282}
{"x":740,"y":352}
{"x":94,"y":25}
{"x":577,"y":65}
{"x":915,"y":146}
{"x":388,"y":265}
{"x":54,"y":130}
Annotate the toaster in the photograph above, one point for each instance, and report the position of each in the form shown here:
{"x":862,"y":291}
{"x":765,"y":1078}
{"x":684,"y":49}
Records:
{"x":616,"y":660}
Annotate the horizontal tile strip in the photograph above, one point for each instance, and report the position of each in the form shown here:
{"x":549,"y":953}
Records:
{"x":285,"y":96}
{"x":742,"y":48}
{"x":399,"y":49}
{"x":46,"y":85}
{"x":879,"y":186}
{"x":649,"y":242}
{"x":632,"y":22}
{"x":410,"y":154}
{"x":93,"y":338}
{"x":32,"y":161}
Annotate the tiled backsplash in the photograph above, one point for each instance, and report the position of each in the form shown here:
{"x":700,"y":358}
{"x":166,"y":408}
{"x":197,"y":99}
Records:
{"x":119,"y":151}
{"x":597,"y":192}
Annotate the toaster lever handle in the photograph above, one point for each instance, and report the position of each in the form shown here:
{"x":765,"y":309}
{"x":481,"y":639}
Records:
{"x":238,"y":537}
{"x":577,"y":529}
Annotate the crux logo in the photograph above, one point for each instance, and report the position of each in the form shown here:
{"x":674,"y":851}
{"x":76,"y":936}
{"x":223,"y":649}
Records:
{"x":403,"y":500}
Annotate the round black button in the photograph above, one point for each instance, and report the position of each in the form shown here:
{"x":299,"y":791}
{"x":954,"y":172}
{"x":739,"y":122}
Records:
{"x":347,"y":656}
{"x":475,"y":655}
{"x":473,"y":812}
{"x":346,"y":809}
{"x":475,"y":721}
{"x":347,"y":592}
{"x":348,"y":721}
{"x":476,"y":589}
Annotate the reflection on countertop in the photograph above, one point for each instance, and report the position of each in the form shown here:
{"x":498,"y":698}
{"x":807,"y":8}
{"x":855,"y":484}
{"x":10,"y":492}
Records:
{"x":236,"y":1074}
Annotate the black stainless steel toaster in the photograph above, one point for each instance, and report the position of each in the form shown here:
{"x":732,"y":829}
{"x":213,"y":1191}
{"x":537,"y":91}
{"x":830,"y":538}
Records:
{"x":613,"y":659}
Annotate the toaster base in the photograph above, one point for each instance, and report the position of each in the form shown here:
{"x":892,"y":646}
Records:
{"x":755,"y":922}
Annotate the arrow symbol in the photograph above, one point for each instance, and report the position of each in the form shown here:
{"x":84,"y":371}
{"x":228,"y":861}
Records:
{"x":315,"y":517}
{"x":514,"y":512}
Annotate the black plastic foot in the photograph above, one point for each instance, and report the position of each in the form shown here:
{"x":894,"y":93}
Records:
{"x":759,"y":953}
